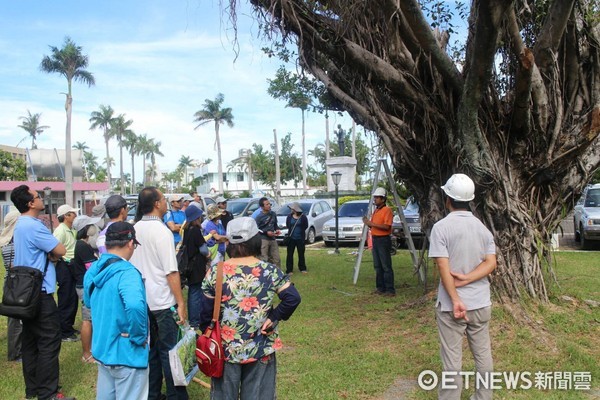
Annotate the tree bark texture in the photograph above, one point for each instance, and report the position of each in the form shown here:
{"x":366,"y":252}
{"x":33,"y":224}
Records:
{"x":520,"y":114}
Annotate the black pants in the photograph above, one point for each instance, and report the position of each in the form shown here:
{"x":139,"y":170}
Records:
{"x":289,"y":261}
{"x":40,"y":349}
{"x":67,"y":298}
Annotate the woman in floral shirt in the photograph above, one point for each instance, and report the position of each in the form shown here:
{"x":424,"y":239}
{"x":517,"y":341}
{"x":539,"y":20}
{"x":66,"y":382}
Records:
{"x":248,"y":317}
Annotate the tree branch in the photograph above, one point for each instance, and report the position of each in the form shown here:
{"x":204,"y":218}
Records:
{"x":422,"y":31}
{"x":554,"y":27}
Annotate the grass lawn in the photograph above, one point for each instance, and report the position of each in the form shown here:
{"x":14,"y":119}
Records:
{"x":344,"y":343}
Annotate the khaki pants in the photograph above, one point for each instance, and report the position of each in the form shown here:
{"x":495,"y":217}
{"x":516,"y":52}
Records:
{"x":269,"y":252}
{"x":451,"y":332}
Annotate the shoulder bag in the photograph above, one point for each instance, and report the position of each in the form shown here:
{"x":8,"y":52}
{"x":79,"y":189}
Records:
{"x":288,"y":237}
{"x":209,"y":346}
{"x":23,"y":292}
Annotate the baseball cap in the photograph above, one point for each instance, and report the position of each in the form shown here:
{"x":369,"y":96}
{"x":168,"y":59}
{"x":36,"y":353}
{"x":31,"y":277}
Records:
{"x":98,"y":210}
{"x":220,"y":199}
{"x":240,"y":230}
{"x":175,"y":197}
{"x":65,"y":209}
{"x":192,"y":213}
{"x":114,"y":203}
{"x":81,"y":221}
{"x":119,"y":232}
{"x":187,"y":197}
{"x":213,"y":211}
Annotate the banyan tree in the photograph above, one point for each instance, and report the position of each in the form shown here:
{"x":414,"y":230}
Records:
{"x":518,"y":111}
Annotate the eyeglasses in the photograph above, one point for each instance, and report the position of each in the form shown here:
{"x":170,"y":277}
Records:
{"x":36,"y":197}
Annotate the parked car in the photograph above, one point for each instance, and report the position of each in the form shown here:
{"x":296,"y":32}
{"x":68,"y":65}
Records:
{"x":317,"y":212}
{"x":350,"y":223}
{"x":245,"y":206}
{"x":586,"y":216}
{"x":411,"y":215}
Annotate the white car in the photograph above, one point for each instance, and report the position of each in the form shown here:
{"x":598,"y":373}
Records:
{"x":317,"y":212}
{"x":350,"y":223}
{"x":586,"y":216}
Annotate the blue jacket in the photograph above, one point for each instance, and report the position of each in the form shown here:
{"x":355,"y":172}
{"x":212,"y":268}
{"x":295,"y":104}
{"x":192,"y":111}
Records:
{"x":118,"y":304}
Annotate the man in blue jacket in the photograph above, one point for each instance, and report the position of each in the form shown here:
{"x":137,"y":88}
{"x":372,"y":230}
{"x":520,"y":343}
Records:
{"x":114,"y":290}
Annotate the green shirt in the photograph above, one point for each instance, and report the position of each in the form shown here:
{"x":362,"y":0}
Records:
{"x":66,"y":236}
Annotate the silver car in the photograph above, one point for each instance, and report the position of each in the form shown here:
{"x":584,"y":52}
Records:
{"x":245,"y":206}
{"x":350,"y":223}
{"x":586,"y":216}
{"x":317,"y":212}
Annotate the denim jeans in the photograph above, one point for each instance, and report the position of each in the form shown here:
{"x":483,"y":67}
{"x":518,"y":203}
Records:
{"x":254,"y":381}
{"x":40,"y":349}
{"x":195,"y":304}
{"x":121,"y":383}
{"x":159,"y":358}
{"x":382,"y":261}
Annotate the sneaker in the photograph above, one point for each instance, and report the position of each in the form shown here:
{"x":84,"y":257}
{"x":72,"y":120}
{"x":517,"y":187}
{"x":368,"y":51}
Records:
{"x":389,"y":294}
{"x":60,"y":396}
{"x":72,"y":338}
{"x":305,"y":272}
{"x":378,"y":292}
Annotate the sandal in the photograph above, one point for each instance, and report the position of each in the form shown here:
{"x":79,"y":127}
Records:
{"x":89,"y":360}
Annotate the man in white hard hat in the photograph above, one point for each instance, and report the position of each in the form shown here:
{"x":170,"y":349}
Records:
{"x":465,"y":254}
{"x":381,"y":229}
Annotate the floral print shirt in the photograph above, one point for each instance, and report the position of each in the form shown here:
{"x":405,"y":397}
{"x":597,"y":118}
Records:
{"x":248,"y":293}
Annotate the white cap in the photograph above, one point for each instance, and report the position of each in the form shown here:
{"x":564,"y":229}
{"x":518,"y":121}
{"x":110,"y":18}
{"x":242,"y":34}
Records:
{"x":81,"y":221}
{"x":460,"y":187}
{"x":64,"y":209}
{"x":240,"y":230}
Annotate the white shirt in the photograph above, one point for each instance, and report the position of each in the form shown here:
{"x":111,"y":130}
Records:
{"x":155,"y":259}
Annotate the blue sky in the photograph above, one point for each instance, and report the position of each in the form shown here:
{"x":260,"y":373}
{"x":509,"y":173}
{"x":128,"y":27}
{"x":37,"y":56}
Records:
{"x":155,"y":61}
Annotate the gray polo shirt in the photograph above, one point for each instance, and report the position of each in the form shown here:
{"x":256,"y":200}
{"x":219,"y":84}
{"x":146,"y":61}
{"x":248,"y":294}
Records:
{"x":465,"y":241}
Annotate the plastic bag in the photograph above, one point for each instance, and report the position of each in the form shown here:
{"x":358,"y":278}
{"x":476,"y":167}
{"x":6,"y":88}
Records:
{"x":182,"y":359}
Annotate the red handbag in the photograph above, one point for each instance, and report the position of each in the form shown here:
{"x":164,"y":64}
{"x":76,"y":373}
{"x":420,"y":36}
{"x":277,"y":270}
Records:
{"x":209,"y":346}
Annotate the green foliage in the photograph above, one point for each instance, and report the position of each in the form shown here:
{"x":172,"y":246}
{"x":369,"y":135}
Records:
{"x":596,"y":177}
{"x":31,"y":125}
{"x":12,"y":169}
{"x":345,"y":199}
{"x":263,"y":162}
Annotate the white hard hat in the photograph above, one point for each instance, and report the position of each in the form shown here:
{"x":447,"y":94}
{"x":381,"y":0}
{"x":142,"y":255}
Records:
{"x":379,"y":192}
{"x":460,"y":187}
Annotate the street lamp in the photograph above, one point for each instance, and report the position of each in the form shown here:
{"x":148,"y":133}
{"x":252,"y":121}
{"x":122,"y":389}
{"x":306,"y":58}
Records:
{"x":48,"y":201}
{"x":336,"y":177}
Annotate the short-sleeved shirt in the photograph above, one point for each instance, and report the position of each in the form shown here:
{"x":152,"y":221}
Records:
{"x":84,"y":257}
{"x":155,"y":259}
{"x":465,"y":241}
{"x":213,"y":243}
{"x":177,"y":217}
{"x":382,"y":216}
{"x":66,"y":236}
{"x":248,"y":293}
{"x":33,"y":241}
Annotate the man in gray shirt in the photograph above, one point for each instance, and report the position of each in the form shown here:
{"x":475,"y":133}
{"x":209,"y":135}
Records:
{"x":465,"y":254}
{"x":267,"y":226}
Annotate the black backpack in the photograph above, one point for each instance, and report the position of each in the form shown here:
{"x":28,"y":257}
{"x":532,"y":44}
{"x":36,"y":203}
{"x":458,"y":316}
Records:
{"x":183,"y":260}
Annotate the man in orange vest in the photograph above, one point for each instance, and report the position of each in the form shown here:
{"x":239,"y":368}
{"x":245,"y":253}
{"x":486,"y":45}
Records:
{"x":381,"y":229}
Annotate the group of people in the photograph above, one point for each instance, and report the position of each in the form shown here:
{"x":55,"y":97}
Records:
{"x":129,"y":292}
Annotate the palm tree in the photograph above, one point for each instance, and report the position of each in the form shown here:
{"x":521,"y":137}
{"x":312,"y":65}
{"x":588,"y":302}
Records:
{"x":83,"y":147}
{"x":103,"y":119}
{"x":70,"y":63}
{"x":120,"y":130}
{"x":212,"y":112}
{"x":153,"y":151}
{"x":131,"y":143}
{"x":184,"y":163}
{"x":31,"y":124}
{"x":143,"y":151}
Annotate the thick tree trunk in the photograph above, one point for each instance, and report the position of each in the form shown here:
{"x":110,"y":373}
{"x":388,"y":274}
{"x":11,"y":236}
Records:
{"x":521,"y":115}
{"x":68,"y":154}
